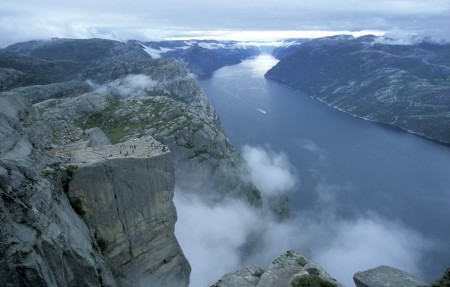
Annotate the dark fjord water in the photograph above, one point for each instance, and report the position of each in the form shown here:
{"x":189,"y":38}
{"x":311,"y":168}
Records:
{"x":344,"y":164}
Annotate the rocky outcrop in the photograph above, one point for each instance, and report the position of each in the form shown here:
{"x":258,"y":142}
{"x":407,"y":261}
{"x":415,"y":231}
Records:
{"x":97,"y":137}
{"x":290,"y":269}
{"x":387,"y":276}
{"x":444,"y":281}
{"x":48,"y":164}
{"x":86,"y":190}
{"x":41,"y":93}
{"x":405,"y":86}
{"x":42,"y":240}
{"x":9,"y":78}
{"x":122,"y":230}
{"x":204,"y":158}
{"x":125,"y":193}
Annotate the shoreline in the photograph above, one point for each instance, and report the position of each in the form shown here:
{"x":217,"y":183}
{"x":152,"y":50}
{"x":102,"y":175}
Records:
{"x":383,"y":124}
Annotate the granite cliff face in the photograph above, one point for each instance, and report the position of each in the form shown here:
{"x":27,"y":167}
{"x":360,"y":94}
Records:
{"x":43,"y":242}
{"x":127,"y":200}
{"x":406,"y":86}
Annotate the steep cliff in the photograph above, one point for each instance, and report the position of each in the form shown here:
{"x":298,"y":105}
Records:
{"x":42,"y":241}
{"x":157,"y":96}
{"x":93,"y":134}
{"x":125,"y":192}
{"x":125,"y":202}
{"x":406,"y":86}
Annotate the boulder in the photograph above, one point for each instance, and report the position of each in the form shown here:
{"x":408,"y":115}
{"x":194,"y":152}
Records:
{"x":247,"y":277}
{"x":290,"y":269}
{"x":97,"y":137}
{"x":387,"y":276}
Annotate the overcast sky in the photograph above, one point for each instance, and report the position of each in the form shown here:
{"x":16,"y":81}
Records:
{"x":156,"y":19}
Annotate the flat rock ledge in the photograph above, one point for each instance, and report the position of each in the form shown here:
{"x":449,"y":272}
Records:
{"x":384,"y":276}
{"x":83,"y":153}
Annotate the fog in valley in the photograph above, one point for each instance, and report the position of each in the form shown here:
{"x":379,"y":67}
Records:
{"x":225,"y":237}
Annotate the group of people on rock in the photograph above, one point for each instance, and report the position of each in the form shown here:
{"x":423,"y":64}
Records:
{"x":153,"y":146}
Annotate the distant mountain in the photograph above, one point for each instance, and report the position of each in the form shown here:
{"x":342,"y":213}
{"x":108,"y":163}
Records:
{"x":407,"y":86}
{"x":57,"y":60}
{"x":287,"y":47}
{"x":201,"y":57}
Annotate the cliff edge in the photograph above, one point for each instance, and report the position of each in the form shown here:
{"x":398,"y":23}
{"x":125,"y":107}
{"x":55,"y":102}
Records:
{"x":125,"y":192}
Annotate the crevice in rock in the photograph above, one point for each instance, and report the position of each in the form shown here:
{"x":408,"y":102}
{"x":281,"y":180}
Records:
{"x":109,"y":174}
{"x":161,"y":263}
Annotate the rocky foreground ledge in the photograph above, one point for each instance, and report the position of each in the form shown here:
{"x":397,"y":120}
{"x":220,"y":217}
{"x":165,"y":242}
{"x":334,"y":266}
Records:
{"x":387,"y":276}
{"x":292,"y":269}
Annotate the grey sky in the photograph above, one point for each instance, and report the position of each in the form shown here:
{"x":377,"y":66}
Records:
{"x":143,"y":19}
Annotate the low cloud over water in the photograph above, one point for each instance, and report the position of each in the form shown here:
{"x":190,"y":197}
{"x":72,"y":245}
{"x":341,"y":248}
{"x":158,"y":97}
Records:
{"x":226,"y":236}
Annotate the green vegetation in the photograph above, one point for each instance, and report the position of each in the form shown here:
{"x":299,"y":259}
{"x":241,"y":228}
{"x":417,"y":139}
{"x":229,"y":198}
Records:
{"x":188,"y":144}
{"x":102,"y":244}
{"x":77,"y":205}
{"x":162,"y":114}
{"x":302,"y":261}
{"x":258,"y":273}
{"x":114,"y":129}
{"x":49,"y":172}
{"x":233,"y":182}
{"x":71,"y":169}
{"x":444,"y":281}
{"x":442,"y":81}
{"x":312,"y":281}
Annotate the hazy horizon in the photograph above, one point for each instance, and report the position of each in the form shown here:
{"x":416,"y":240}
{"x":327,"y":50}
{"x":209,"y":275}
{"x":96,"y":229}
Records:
{"x":237,"y":20}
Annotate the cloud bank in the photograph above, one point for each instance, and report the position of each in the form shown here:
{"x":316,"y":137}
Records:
{"x":270,"y":172}
{"x":146,"y":20}
{"x":131,"y":85}
{"x":224,"y":237}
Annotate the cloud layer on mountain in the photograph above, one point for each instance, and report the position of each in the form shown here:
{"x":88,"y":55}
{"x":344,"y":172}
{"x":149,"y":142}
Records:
{"x":137,"y":19}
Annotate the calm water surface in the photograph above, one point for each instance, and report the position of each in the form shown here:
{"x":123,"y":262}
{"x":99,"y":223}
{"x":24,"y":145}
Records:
{"x":372,"y":168}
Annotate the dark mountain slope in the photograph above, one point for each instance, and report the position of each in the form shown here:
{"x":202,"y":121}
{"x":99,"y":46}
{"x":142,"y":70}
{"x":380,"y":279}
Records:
{"x":59,"y":60}
{"x":201,"y":57}
{"x":404,"y":86}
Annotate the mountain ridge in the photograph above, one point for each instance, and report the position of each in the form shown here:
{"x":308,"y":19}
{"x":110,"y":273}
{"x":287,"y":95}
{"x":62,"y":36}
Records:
{"x":403,"y":86}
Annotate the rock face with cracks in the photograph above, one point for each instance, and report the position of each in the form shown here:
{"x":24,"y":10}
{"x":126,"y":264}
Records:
{"x":125,"y":192}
